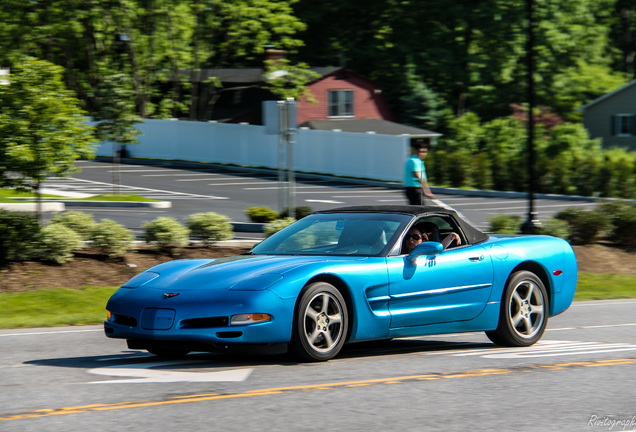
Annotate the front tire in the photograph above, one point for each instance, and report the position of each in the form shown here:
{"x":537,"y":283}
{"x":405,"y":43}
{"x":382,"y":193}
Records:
{"x":524,"y":311}
{"x":321,"y":323}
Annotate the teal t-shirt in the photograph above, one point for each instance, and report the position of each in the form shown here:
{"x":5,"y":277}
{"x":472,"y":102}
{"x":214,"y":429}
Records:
{"x":413,"y":164}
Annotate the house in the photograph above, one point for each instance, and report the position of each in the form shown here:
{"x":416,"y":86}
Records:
{"x":338,"y":93}
{"x":340,"y":100}
{"x":612,"y":117}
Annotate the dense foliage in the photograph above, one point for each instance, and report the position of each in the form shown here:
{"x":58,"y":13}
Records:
{"x":455,"y":67}
{"x":434,"y":58}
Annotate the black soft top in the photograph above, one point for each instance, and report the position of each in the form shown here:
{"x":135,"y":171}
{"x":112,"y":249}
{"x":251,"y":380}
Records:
{"x":473,"y":235}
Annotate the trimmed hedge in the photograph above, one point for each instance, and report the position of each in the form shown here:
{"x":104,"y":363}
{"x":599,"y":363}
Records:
{"x":210,"y":227}
{"x":19,"y":237}
{"x":111,"y":238}
{"x":167,"y":233}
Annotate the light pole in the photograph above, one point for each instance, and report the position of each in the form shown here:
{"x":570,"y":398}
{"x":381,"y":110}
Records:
{"x":531,"y":224}
{"x":287,"y":130}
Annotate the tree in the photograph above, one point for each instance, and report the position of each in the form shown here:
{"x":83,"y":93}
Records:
{"x":42,"y":129}
{"x":471,"y":54}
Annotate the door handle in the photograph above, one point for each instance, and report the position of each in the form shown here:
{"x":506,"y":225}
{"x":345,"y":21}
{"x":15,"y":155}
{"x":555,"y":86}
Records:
{"x":476,"y":258}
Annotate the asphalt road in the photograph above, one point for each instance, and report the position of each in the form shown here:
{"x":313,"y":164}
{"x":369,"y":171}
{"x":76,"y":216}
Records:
{"x":579,"y":377}
{"x":229,"y":191}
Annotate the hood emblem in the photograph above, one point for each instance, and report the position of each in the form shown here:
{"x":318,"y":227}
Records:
{"x":169,"y":295}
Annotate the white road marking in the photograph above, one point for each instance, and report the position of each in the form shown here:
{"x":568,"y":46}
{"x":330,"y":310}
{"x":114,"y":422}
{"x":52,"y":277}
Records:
{"x":182,"y":175}
{"x":137,"y":170}
{"x":548,"y":348}
{"x":135,"y":188}
{"x":240,"y":183}
{"x":324,"y":201}
{"x":145,"y":373}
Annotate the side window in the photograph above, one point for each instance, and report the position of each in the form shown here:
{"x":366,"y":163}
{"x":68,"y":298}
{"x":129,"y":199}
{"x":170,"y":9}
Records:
{"x":438,"y":228}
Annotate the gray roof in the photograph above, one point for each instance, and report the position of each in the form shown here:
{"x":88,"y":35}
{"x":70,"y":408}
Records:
{"x":607,"y":95}
{"x":382,"y":127}
{"x":246,"y":75}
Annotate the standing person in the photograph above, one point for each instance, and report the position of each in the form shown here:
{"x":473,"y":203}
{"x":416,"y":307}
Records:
{"x":415,"y":182}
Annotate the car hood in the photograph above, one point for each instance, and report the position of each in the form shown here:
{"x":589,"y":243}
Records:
{"x":243,"y":272}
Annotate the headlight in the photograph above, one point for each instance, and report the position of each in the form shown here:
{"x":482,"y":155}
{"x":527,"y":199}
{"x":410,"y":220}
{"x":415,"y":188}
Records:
{"x":140,"y":279}
{"x":253,"y":318}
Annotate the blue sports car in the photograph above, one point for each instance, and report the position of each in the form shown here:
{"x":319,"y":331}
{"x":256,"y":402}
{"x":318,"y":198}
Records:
{"x":349,"y":275}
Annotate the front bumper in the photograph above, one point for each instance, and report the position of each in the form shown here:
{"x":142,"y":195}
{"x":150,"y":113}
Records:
{"x":197,"y":317}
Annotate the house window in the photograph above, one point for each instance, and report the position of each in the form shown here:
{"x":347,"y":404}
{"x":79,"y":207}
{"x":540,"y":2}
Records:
{"x":624,"y":125}
{"x":340,"y":103}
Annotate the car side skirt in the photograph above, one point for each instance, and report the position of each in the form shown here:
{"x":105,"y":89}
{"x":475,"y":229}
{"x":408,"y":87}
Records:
{"x":487,"y":320}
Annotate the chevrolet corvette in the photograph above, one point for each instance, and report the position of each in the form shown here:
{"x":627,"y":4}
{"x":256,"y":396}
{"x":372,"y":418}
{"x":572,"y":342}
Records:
{"x":344,"y":276}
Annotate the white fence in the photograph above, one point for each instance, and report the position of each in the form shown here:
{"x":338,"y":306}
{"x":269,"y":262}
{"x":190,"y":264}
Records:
{"x":360,"y":155}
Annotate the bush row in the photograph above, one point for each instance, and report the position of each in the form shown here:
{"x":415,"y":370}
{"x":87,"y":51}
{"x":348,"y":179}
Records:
{"x":614,"y":221}
{"x":266,"y":215}
{"x":22,"y":239}
{"x":493,"y":155}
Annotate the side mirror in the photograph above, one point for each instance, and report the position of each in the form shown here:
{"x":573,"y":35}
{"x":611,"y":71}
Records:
{"x":425,"y":248}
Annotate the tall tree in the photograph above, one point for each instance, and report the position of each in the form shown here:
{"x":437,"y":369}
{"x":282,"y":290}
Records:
{"x":470,"y":52}
{"x":42,"y":129}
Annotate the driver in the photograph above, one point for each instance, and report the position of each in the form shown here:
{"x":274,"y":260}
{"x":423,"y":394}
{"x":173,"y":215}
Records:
{"x":412,"y":239}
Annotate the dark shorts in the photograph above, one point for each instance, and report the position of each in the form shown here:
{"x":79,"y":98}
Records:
{"x":414,"y":195}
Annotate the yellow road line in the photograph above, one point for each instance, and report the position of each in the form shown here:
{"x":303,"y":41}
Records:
{"x":304,"y":388}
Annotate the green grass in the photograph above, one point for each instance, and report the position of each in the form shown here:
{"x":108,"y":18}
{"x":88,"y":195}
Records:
{"x":56,"y":307}
{"x":601,"y":286}
{"x":8,"y":195}
{"x":64,"y":307}
{"x":112,"y":197}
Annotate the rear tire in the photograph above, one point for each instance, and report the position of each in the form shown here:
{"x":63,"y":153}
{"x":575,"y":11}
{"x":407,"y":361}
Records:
{"x":524,"y":311}
{"x":321,"y":323}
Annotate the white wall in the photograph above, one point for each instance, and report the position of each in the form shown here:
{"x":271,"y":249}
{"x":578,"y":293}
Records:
{"x":366,"y":156}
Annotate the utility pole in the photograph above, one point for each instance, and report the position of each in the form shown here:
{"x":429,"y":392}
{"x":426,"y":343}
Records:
{"x":287,"y":131}
{"x":531,"y":224}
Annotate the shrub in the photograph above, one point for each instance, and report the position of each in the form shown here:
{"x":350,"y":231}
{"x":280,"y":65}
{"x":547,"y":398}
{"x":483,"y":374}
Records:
{"x":277,"y":225}
{"x":556,"y":228}
{"x":80,"y":222}
{"x":459,"y":173}
{"x":19,"y":237}
{"x":301,"y":212}
{"x":586,"y":226}
{"x":261,"y":214}
{"x":110,"y":238}
{"x":210,"y":227}
{"x":622,"y":216}
{"x":58,"y":243}
{"x":167,"y":233}
{"x":505,"y":224}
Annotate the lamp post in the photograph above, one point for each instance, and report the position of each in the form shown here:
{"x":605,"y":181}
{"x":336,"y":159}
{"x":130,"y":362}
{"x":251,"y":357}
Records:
{"x":532,"y":223}
{"x":287,"y":130}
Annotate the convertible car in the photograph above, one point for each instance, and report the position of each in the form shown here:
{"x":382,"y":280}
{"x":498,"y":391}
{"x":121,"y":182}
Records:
{"x":344,"y":276}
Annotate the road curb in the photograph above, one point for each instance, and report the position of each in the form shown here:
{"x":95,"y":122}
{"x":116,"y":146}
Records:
{"x":32,"y":206}
{"x":159,"y":204}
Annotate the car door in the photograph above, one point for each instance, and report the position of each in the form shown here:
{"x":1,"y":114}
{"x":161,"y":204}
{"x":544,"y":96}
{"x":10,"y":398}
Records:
{"x":451,"y":286}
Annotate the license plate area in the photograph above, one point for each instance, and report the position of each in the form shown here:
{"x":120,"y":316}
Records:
{"x":157,"y":319}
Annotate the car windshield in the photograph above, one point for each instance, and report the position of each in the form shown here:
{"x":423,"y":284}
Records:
{"x":358,"y":234}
